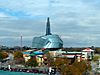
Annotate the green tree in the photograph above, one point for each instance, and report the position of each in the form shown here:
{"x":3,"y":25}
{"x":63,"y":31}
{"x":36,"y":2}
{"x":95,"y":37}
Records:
{"x":96,"y":58}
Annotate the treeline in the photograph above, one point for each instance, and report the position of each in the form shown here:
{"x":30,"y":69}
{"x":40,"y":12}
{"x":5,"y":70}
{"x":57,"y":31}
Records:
{"x":97,"y":49}
{"x":14,"y":48}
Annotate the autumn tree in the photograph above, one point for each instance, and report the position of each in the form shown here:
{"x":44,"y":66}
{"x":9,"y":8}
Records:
{"x":76,"y":68}
{"x":18,"y":57}
{"x":3,"y":55}
{"x":50,"y":59}
{"x":62,"y":64}
{"x":66,"y":66}
{"x":18,"y":54}
{"x":80,"y":65}
{"x":32,"y":62}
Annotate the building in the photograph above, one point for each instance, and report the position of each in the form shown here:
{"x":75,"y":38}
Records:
{"x":73,"y":55}
{"x":26,"y":55}
{"x":48,"y":40}
{"x":87,"y":54}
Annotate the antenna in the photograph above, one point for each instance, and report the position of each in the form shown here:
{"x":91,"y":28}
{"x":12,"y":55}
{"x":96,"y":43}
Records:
{"x":21,"y":43}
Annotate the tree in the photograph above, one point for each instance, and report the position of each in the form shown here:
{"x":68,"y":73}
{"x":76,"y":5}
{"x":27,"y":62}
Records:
{"x":97,"y":50}
{"x":81,"y":66}
{"x":66,"y":66}
{"x":50,"y":59}
{"x":18,"y":54}
{"x":76,"y":68}
{"x":32,"y":62}
{"x":96,"y":58}
{"x":3,"y":55}
{"x":18,"y":57}
{"x":62,"y":65}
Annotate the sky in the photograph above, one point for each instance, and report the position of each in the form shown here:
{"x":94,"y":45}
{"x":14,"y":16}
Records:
{"x":77,"y":22}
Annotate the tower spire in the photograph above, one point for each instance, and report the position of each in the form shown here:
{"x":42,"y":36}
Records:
{"x":48,"y":32}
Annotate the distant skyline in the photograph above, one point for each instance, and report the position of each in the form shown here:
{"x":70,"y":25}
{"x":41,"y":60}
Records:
{"x":77,"y":22}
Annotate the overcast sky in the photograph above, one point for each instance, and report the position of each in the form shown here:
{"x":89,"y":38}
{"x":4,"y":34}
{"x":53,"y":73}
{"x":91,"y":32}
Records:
{"x":77,"y":22}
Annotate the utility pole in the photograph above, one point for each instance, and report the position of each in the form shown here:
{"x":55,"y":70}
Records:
{"x":21,"y":43}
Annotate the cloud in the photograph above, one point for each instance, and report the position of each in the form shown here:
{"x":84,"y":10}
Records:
{"x":80,"y":40}
{"x":3,"y":15}
{"x":76,"y":21}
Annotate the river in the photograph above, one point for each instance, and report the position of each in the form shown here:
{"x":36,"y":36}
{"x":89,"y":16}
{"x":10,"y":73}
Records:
{"x":17,"y":73}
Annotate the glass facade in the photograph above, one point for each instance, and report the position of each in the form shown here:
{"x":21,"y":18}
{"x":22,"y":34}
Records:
{"x":48,"y":41}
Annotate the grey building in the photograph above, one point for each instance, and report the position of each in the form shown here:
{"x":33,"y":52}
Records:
{"x":48,"y":40}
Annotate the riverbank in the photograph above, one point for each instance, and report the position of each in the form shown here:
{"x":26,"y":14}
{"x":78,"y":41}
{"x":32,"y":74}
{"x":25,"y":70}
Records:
{"x":17,"y":73}
{"x":23,"y":70}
